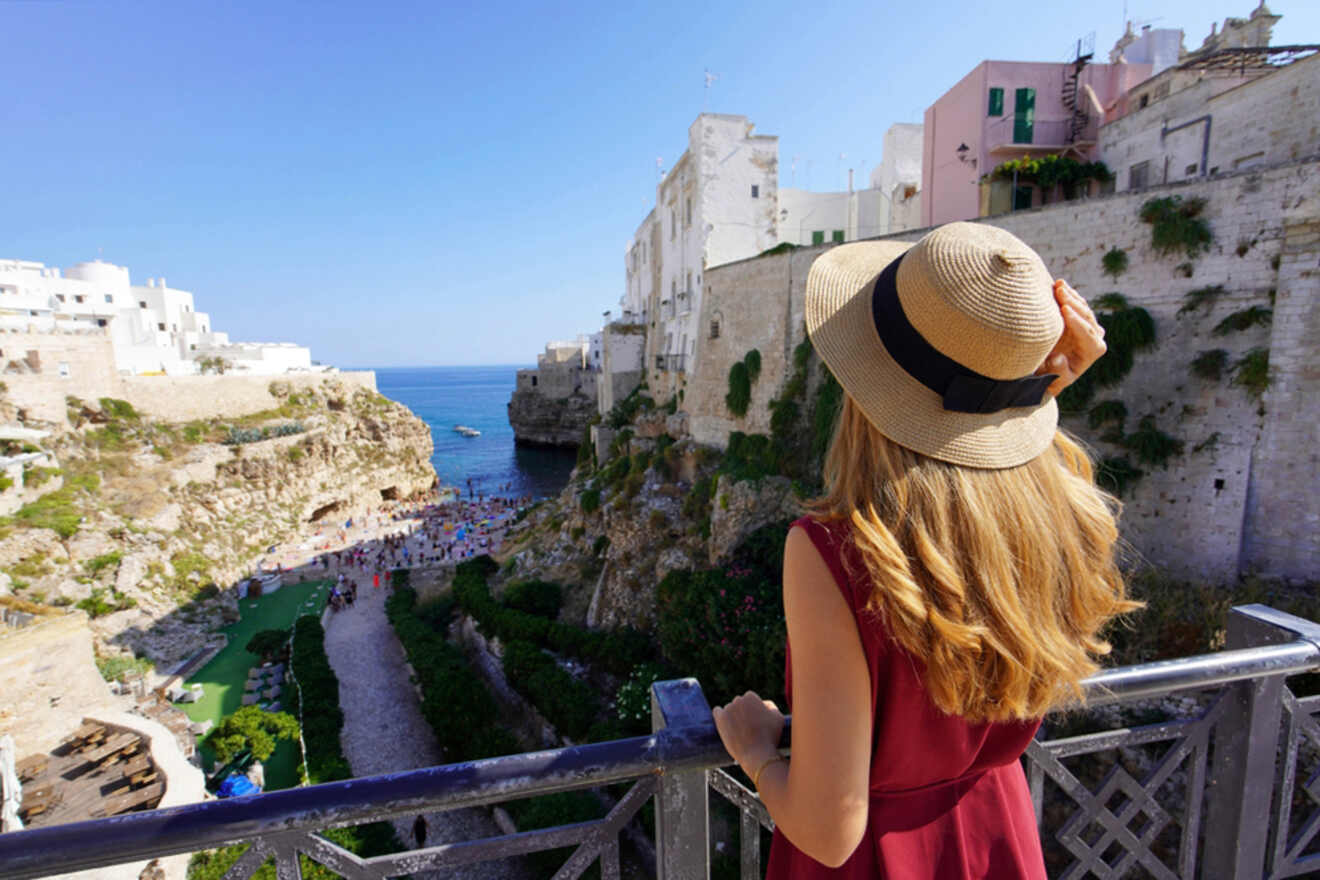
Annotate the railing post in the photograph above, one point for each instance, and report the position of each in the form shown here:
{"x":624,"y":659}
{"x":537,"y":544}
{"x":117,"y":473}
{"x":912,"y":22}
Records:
{"x":682,"y":821}
{"x":1241,"y":786}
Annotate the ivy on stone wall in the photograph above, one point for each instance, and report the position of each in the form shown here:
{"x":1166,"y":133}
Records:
{"x":1245,"y":319}
{"x":1201,"y":296}
{"x":1114,"y":262}
{"x":1210,"y":364}
{"x":1177,"y":225}
{"x":1252,"y":371}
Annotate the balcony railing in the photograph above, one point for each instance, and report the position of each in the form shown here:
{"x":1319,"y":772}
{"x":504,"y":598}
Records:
{"x":671,"y":363}
{"x":1234,"y":766}
{"x":1005,"y":136}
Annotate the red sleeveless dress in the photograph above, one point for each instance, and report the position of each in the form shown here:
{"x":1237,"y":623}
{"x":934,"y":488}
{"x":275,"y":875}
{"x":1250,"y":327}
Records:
{"x":949,"y":799}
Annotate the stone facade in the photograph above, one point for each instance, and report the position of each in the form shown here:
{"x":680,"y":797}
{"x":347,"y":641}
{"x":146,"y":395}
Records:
{"x":552,"y":404}
{"x":1249,"y":499}
{"x":1248,"y":122}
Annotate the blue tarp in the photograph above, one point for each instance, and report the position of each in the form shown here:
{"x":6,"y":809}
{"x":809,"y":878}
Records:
{"x":236,"y":785}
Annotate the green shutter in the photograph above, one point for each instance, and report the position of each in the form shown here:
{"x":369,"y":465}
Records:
{"x":818,"y":236}
{"x":996,"y":102}
{"x":1024,"y":115}
{"x":837,"y":237}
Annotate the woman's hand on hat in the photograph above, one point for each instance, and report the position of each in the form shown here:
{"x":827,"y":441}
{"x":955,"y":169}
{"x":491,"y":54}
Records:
{"x":1082,"y":342}
{"x":750,"y":729}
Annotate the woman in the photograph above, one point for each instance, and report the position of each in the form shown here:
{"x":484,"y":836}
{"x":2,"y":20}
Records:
{"x":949,"y":587}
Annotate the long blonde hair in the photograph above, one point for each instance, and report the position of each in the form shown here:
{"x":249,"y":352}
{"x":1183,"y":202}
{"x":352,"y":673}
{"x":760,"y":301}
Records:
{"x":997,"y":581}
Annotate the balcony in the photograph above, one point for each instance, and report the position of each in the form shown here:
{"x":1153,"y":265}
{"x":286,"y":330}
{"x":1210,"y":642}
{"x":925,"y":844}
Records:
{"x":1248,"y":804}
{"x":671,"y":363}
{"x":1004,"y":137}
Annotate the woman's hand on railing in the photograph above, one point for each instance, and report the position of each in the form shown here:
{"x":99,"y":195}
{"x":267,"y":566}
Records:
{"x":750,"y":728}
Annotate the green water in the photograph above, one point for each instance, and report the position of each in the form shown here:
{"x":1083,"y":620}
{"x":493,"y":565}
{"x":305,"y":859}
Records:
{"x":223,"y":678}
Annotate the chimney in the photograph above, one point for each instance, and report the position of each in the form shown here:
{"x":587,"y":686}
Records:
{"x":850,"y":181}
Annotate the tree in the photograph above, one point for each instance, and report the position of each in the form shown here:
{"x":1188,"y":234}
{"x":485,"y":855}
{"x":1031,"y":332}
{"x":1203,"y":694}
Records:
{"x":267,"y":643}
{"x":251,"y":727}
{"x":215,"y":364}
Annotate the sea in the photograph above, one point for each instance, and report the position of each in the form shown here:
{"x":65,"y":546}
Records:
{"x":477,"y":397}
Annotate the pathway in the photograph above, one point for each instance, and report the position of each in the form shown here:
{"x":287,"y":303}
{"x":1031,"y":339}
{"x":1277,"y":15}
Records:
{"x":384,"y":731}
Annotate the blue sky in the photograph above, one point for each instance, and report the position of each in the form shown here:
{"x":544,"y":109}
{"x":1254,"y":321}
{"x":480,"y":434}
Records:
{"x":429,"y":183}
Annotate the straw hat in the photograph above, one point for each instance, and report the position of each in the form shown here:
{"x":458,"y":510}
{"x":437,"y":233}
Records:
{"x":936,"y":342}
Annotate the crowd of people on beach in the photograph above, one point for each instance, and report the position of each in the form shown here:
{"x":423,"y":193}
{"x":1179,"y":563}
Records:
{"x":435,"y":528}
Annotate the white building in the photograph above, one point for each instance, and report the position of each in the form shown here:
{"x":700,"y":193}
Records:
{"x":153,"y":328}
{"x":717,"y":204}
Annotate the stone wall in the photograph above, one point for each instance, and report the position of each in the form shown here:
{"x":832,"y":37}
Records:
{"x":40,"y":369}
{"x":1250,"y":498}
{"x":1259,"y":123}
{"x":48,"y":367}
{"x":49,"y":681}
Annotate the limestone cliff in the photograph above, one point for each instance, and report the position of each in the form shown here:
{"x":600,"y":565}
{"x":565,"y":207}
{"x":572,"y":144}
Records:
{"x":153,"y":514}
{"x":548,"y":421}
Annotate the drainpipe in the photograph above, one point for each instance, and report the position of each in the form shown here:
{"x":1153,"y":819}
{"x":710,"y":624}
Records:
{"x":1205,"y":141}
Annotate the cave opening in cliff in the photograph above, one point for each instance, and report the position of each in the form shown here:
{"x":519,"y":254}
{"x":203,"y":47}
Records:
{"x":390,"y":494}
{"x":325,"y":510}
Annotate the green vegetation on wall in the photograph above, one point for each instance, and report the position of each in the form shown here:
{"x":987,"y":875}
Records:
{"x":1201,"y":296}
{"x":1252,"y":371}
{"x":1114,"y":262}
{"x":1245,"y":319}
{"x":740,"y":390}
{"x":1210,"y":364}
{"x":1177,"y":226}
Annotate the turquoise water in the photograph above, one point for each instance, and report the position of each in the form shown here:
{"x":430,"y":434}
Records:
{"x":477,"y":397}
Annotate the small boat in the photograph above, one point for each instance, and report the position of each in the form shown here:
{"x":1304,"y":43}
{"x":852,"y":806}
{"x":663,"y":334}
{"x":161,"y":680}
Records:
{"x":466,"y":431}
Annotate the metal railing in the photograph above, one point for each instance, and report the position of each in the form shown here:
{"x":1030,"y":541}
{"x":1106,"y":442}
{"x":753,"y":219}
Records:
{"x":1247,"y":808}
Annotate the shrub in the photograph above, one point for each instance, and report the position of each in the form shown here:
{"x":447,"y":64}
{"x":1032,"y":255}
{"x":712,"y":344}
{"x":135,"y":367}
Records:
{"x":1107,"y":411}
{"x":95,"y":565}
{"x":1151,"y":445}
{"x":567,"y":703}
{"x":1210,"y":364}
{"x":1201,"y":296}
{"x":114,"y":408}
{"x":111,"y":668}
{"x":1252,"y":371}
{"x":1114,"y":262}
{"x":752,"y":360}
{"x":1128,"y":329}
{"x":455,"y":702}
{"x":541,"y":598}
{"x":590,"y":499}
{"x":97,"y":605}
{"x":632,"y":701}
{"x":740,"y":390}
{"x":1177,"y":225}
{"x":267,"y":643}
{"x":250,"y":728}
{"x":1244,"y":320}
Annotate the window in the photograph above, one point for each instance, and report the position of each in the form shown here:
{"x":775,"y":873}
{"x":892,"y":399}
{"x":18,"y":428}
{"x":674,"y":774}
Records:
{"x":1143,"y":101}
{"x":687,"y":212}
{"x":673,"y":224}
{"x":100,"y":322}
{"x":60,"y":297}
{"x":160,"y":326}
{"x":1024,"y":115}
{"x":1191,"y":169}
{"x":65,"y":372}
{"x":688,"y":289}
{"x":79,"y":298}
{"x":715,"y":329}
{"x":1138,"y":174}
{"x":142,"y":304}
{"x":756,"y":191}
{"x":818,"y":236}
{"x":533,"y":381}
{"x":996,"y":107}
{"x":109,"y":298}
{"x":1022,"y":198}
{"x":837,"y":236}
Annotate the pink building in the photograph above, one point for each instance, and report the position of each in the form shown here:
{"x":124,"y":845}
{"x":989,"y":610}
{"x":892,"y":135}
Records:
{"x":1005,"y":110}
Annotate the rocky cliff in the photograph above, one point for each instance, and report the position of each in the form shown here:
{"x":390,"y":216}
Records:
{"x":154,"y":521}
{"x":547,"y":421}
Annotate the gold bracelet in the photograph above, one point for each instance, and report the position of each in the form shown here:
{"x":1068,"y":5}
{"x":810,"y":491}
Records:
{"x":756,"y":777}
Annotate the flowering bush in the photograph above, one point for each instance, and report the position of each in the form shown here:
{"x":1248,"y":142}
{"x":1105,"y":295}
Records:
{"x":632,"y":702}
